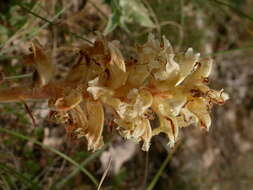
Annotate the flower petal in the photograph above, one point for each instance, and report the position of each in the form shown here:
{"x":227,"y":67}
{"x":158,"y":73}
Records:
{"x":203,"y":70}
{"x":186,"y":118}
{"x":93,"y":133}
{"x":186,"y":64}
{"x":169,"y":126}
{"x":138,"y":129}
{"x":97,"y":91}
{"x":137,"y":74}
{"x":66,"y":103}
{"x":116,"y":67}
{"x":143,"y":101}
{"x":43,"y":65}
{"x":200,"y":107}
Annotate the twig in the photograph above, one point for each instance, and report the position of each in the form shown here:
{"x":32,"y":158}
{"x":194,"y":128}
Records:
{"x":30,"y":114}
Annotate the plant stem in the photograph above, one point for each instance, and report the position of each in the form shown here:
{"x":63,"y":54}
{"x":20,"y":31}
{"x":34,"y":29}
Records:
{"x":23,"y":93}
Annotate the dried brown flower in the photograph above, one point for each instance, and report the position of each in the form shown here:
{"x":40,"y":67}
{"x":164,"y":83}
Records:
{"x":171,"y":86}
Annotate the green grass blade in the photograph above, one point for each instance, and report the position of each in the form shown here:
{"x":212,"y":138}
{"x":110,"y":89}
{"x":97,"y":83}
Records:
{"x":83,"y":164}
{"x":53,"y":24}
{"x":160,"y":171}
{"x":31,"y":35}
{"x":229,"y":51}
{"x":233,"y":8}
{"x":35,"y":14}
{"x":5,"y":182}
{"x":64,"y":156}
{"x":28,"y":182}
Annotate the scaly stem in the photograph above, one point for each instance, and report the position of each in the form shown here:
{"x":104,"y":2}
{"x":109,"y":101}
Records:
{"x":23,"y":93}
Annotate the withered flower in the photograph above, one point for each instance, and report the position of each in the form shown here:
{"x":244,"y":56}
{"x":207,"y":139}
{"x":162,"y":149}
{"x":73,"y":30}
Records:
{"x":172,"y":86}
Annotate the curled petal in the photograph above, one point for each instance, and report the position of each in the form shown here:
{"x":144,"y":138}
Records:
{"x":78,"y":71}
{"x":94,"y":82}
{"x":149,"y":49}
{"x":169,"y":126}
{"x":218,"y":97}
{"x":138,"y":130}
{"x":66,"y":103}
{"x":169,"y":70}
{"x":169,"y":106}
{"x":139,"y":102}
{"x":187,"y":63}
{"x":202,"y":71}
{"x":116,"y":56}
{"x":167,"y":46}
{"x":200,"y":107}
{"x":125,"y":127}
{"x":137,"y":75}
{"x":186,"y":118}
{"x":116,"y":67}
{"x":117,"y":77}
{"x":126,"y":111}
{"x":111,"y":101}
{"x":79,"y":118}
{"x":177,"y":103}
{"x":147,"y":135}
{"x":97,"y":91}
{"x":143,"y":101}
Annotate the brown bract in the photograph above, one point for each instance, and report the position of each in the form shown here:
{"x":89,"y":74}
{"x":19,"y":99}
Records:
{"x":171,"y":86}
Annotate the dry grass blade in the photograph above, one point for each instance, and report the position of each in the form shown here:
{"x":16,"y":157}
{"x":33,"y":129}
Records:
{"x":105,"y":173}
{"x":18,"y":76}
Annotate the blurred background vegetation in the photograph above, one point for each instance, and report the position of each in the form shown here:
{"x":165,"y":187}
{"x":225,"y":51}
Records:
{"x":43,"y":157}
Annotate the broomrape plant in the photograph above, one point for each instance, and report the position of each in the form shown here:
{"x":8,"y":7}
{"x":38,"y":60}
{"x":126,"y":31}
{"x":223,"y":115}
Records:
{"x":159,"y":83}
